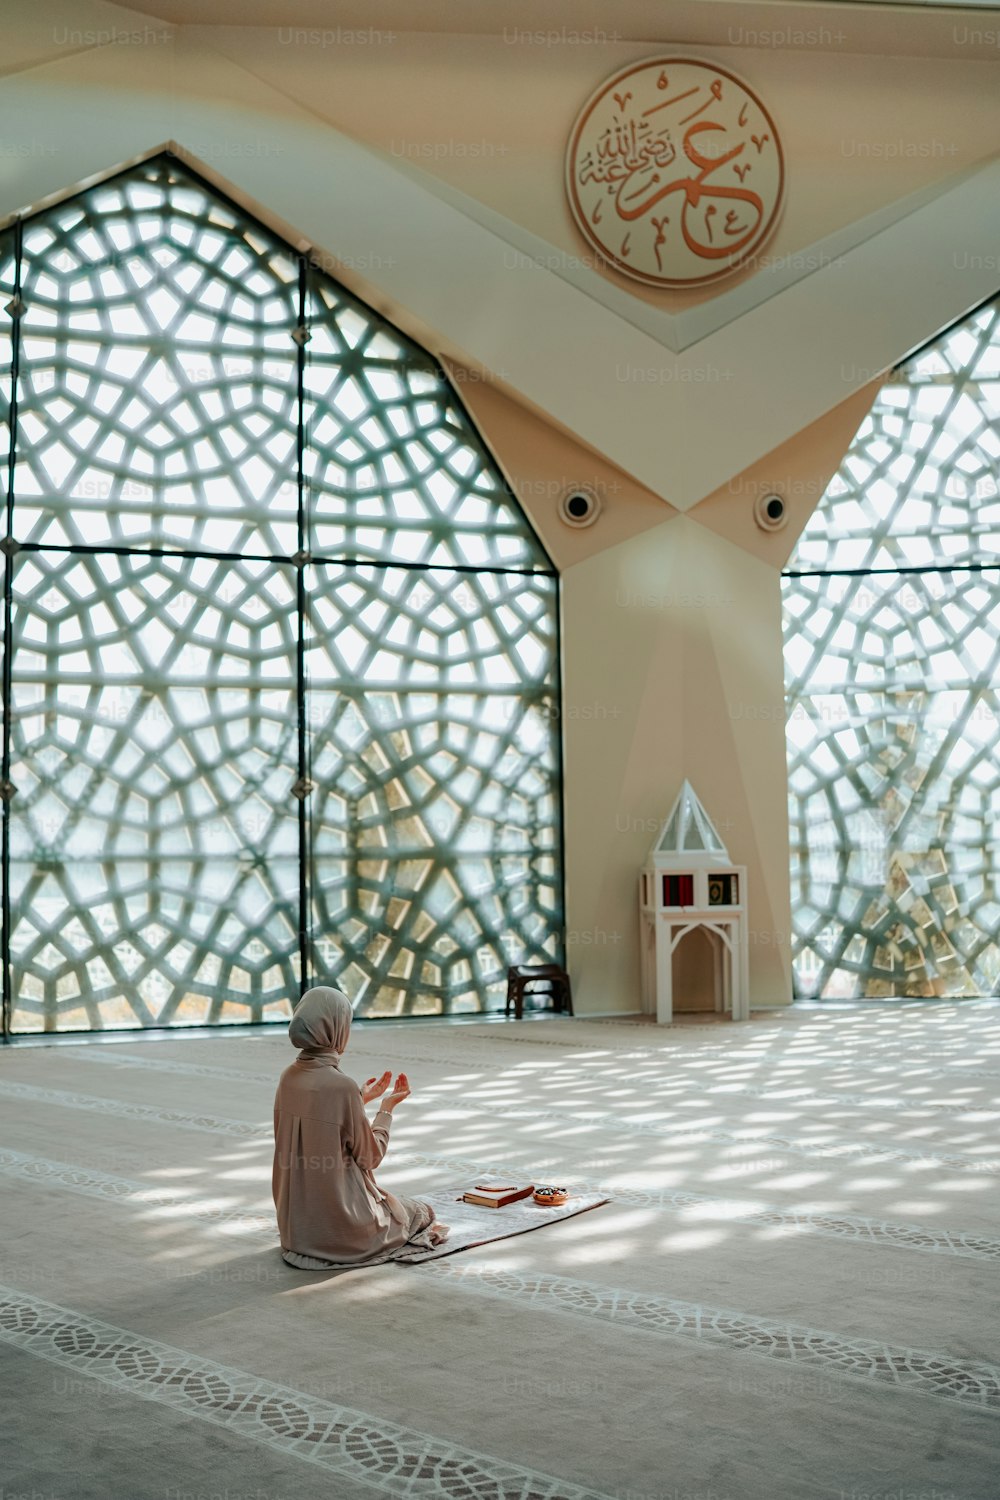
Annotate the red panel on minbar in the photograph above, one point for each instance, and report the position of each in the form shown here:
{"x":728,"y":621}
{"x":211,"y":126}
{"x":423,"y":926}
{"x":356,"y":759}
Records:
{"x":678,"y":890}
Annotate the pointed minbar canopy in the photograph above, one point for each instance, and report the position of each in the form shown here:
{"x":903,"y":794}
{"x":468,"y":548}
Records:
{"x":688,"y":837}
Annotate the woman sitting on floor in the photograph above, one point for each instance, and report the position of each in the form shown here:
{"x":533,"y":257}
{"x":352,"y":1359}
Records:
{"x":330,"y":1210}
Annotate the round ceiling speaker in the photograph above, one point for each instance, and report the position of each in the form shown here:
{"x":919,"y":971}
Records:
{"x":770,"y":512}
{"x":579,"y":507}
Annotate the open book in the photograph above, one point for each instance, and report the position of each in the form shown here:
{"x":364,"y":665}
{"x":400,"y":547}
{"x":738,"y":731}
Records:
{"x":490,"y":1195}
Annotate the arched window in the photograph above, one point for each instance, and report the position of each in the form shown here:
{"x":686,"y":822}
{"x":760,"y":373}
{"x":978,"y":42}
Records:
{"x":280,"y":661}
{"x":892,"y":630}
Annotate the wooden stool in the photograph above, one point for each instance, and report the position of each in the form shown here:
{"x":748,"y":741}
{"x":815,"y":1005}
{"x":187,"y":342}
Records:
{"x":549,"y":976}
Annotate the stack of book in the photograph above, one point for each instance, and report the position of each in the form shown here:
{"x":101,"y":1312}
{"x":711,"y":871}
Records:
{"x":496,"y":1195}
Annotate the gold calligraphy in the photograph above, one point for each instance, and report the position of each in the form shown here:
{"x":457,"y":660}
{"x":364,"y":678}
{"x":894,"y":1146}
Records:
{"x":676,"y":166}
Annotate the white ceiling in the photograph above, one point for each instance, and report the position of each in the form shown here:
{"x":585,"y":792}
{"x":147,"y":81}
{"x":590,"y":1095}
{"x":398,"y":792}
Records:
{"x":881,"y":28}
{"x":638,"y":20}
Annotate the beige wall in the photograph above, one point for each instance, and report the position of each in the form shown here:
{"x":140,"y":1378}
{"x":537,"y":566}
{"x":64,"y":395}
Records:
{"x":672,"y":668}
{"x":672,"y":661}
{"x":672,"y":639}
{"x":542,"y":463}
{"x":798,"y":471}
{"x":489,"y":116}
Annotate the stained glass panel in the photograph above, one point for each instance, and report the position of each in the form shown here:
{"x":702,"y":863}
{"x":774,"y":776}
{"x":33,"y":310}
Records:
{"x":434,"y":816}
{"x":235,"y":769}
{"x":893,"y":692}
{"x":158,"y":373}
{"x":395,"y":470}
{"x":8,"y":313}
{"x":153,"y":837}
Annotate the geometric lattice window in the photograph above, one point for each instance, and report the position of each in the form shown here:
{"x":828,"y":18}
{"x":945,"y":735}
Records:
{"x":280,"y":653}
{"x":892,"y":631}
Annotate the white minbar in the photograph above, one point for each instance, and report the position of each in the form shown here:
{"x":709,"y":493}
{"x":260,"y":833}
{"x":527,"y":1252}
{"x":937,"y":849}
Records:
{"x":689,"y":881}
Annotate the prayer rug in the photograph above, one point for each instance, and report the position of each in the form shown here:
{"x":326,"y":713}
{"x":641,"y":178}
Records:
{"x":472,"y":1225}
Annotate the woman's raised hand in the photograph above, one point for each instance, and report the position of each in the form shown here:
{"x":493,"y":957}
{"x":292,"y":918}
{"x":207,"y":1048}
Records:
{"x":400,"y":1091}
{"x":374,"y":1088}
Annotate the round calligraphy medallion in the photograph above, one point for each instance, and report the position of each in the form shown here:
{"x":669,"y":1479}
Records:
{"x":674,"y":172}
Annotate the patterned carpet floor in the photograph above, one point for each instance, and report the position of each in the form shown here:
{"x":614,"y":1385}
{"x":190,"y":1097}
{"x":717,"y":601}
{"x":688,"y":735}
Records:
{"x":792,"y":1293}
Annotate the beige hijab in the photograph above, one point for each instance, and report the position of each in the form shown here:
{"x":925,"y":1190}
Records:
{"x":330,"y":1210}
{"x":321,"y":1023}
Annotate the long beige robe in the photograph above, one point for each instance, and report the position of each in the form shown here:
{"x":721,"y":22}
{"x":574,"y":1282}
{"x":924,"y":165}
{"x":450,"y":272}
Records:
{"x":330,"y":1210}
